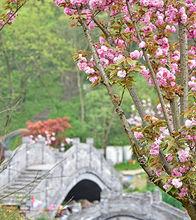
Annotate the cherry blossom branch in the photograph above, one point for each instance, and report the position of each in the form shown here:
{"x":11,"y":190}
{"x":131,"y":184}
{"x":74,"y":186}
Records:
{"x":120,"y":112}
{"x":136,"y":100}
{"x":115,"y":101}
{"x":13,"y":14}
{"x":183,"y":69}
{"x":104,"y":30}
{"x":152,"y":72}
{"x":161,"y":155}
{"x":137,"y":103}
{"x":175,"y":113}
{"x":174,"y":103}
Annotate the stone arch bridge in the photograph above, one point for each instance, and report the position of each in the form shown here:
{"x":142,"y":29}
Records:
{"x":36,"y":172}
{"x":38,"y":178}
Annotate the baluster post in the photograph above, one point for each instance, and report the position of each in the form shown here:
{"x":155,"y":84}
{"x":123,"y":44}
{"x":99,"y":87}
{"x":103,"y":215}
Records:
{"x":27,"y":142}
{"x":62,"y":169}
{"x":76,"y":142}
{"x":46,"y":193}
{"x":90,"y":142}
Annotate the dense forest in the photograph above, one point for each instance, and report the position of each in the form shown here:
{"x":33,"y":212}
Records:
{"x":39,"y":79}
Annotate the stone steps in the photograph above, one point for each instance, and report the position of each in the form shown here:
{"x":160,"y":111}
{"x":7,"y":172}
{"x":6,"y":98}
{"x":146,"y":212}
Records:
{"x":18,"y":191}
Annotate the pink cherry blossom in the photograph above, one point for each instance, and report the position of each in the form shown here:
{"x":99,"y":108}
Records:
{"x":146,"y":74}
{"x":170,"y":28}
{"x":138,"y":135}
{"x":177,"y":183}
{"x":154,"y":149}
{"x":183,"y":192}
{"x":69,"y":11}
{"x":169,"y":157}
{"x":176,"y":172}
{"x":136,"y":54}
{"x":93,"y":79}
{"x":102,"y":40}
{"x":121,"y":73}
{"x":183,"y":155}
{"x":142,"y":44}
{"x":166,"y":186}
{"x":118,"y":58}
{"x":190,"y":123}
{"x":165,"y":77}
{"x":192,"y":83}
{"x":158,"y":172}
{"x":183,"y":15}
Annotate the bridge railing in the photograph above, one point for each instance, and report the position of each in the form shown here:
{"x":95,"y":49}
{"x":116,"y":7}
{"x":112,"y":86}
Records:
{"x":25,"y":155}
{"x":12,"y":167}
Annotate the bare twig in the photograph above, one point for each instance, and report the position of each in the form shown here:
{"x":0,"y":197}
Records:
{"x":13,"y":14}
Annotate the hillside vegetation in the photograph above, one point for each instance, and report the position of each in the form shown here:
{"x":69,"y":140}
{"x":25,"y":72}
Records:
{"x":39,"y":80}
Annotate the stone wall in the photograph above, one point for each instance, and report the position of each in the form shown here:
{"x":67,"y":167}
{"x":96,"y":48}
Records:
{"x":141,"y":206}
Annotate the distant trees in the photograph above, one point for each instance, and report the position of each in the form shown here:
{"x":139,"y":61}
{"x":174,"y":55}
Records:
{"x":35,"y":53}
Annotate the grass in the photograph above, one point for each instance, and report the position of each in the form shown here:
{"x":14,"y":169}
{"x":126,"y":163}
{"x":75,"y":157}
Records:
{"x":10,"y":213}
{"x":129,"y":165}
{"x":165,"y":197}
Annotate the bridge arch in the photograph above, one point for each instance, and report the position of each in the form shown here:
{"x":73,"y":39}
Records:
{"x":73,"y":187}
{"x":84,"y":189}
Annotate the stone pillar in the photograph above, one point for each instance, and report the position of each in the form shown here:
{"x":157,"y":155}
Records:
{"x":156,"y":196}
{"x":75,"y":141}
{"x":90,"y":141}
{"x":127,"y":153}
{"x":111,"y":154}
{"x":119,"y":151}
{"x":26,"y":140}
{"x":41,"y":141}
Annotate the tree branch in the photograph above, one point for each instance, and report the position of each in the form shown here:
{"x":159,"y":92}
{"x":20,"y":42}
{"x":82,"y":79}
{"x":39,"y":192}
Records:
{"x":132,"y":91}
{"x":174,"y":102}
{"x":118,"y":108}
{"x":183,"y":69}
{"x":8,"y":20}
{"x":137,"y":103}
{"x":152,"y":72}
{"x":175,"y":113}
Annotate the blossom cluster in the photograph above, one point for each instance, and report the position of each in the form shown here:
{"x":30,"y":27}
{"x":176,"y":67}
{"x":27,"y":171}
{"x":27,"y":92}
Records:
{"x":192,"y":83}
{"x":155,"y":147}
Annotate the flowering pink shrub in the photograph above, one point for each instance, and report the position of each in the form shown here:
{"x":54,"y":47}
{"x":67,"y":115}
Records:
{"x":53,"y":130}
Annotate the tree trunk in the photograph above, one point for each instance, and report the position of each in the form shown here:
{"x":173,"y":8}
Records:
{"x":106,"y":134}
{"x":2,"y":155}
{"x":191,"y":209}
{"x":82,"y":111}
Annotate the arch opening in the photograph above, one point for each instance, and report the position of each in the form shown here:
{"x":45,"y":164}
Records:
{"x":84,"y":190}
